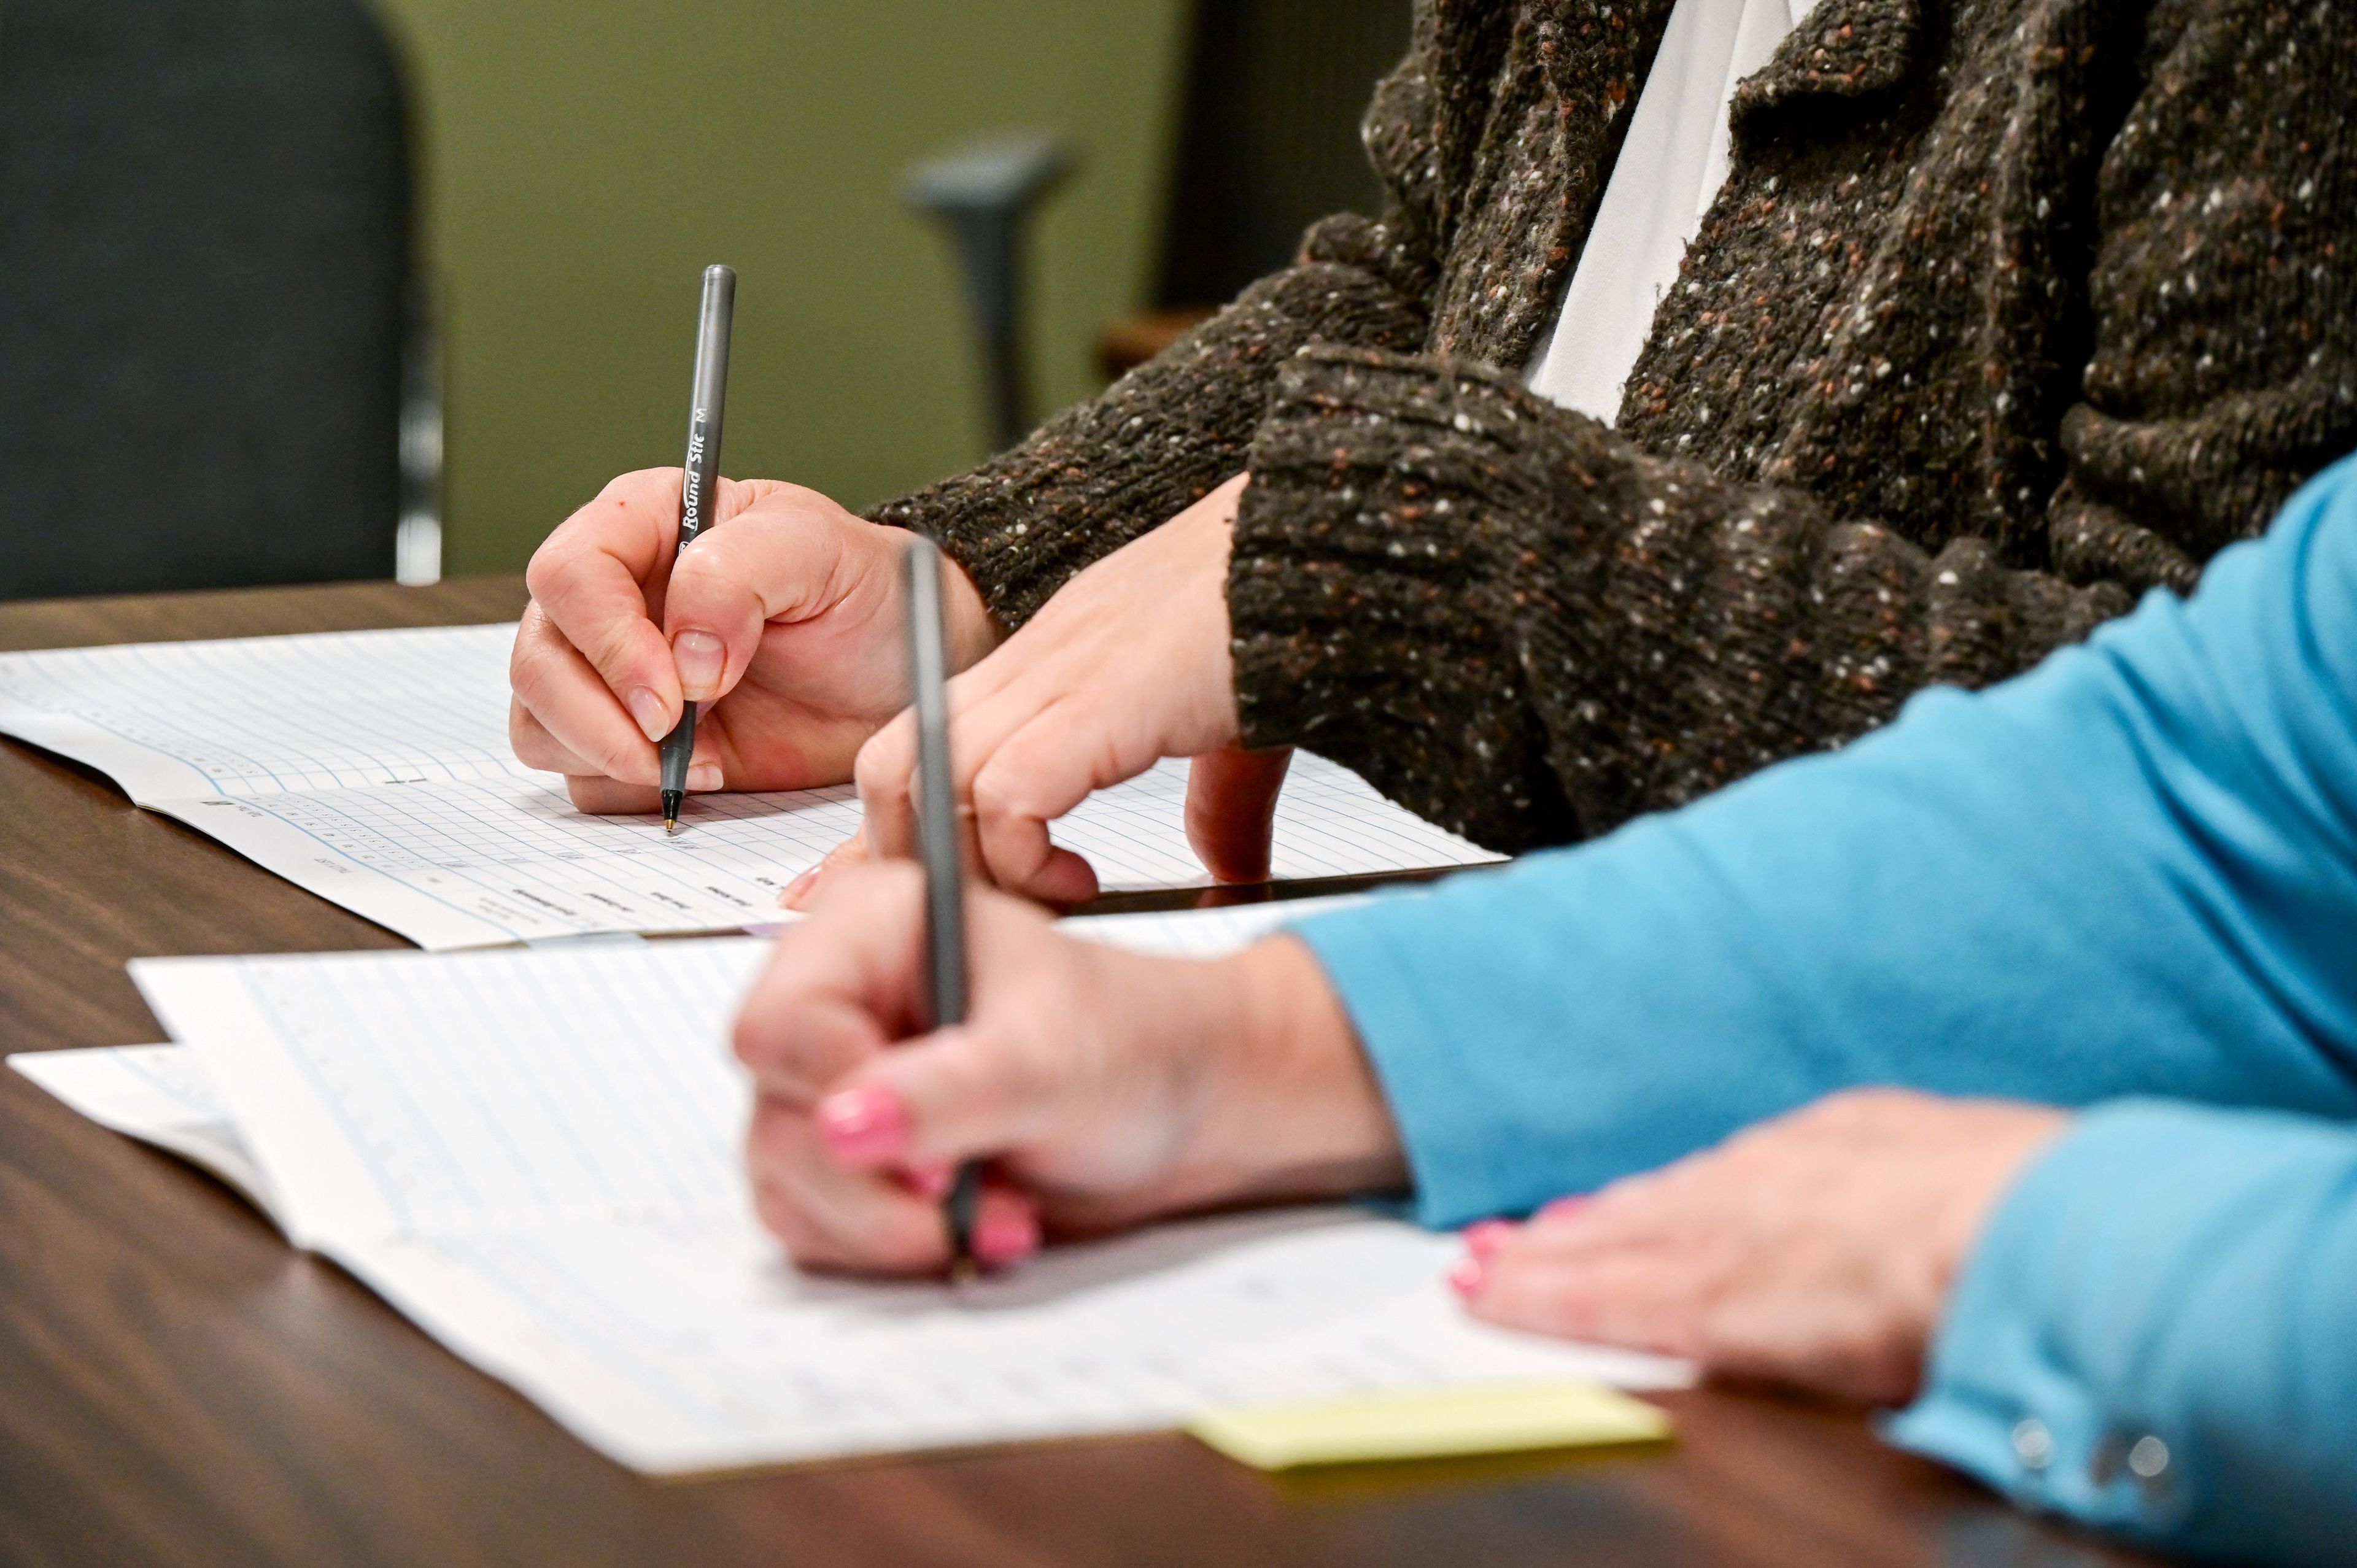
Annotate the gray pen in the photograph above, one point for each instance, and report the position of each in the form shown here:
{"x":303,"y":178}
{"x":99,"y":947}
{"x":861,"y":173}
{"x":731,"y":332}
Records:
{"x":699,"y":487}
{"x":937,"y":835}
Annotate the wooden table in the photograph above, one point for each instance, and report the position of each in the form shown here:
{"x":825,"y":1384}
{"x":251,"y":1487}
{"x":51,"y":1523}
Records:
{"x":178,"y":1387}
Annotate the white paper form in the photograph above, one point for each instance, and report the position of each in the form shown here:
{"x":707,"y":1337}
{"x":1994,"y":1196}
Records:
{"x":535,"y":1154}
{"x":158,"y":1095}
{"x":373,"y":768}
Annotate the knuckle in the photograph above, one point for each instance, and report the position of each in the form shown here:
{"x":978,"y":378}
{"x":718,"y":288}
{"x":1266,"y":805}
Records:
{"x":880,"y":769}
{"x":536,"y":682}
{"x":616,"y":759}
{"x":541,"y":572}
{"x":563,"y":562}
{"x":1002,"y":792}
{"x":526,"y":737}
{"x":643,"y":484}
{"x":710,"y":568}
{"x":527,"y":671}
{"x":655,"y":489}
{"x":615,"y":647}
{"x":803,"y":498}
{"x":532,"y":627}
{"x":750,"y":1039}
{"x":596,"y":794}
{"x":558,"y":574}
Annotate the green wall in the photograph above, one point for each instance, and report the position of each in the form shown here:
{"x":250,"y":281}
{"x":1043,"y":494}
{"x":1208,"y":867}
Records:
{"x":583,"y":159}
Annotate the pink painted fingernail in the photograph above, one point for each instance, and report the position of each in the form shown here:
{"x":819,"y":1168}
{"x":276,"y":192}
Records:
{"x":701,"y":657}
{"x":863,"y":1126}
{"x":1004,"y":1233}
{"x":791,"y":897}
{"x":1565,"y":1208}
{"x":1468,"y":1277}
{"x":648,"y":709}
{"x":1484,"y":1237}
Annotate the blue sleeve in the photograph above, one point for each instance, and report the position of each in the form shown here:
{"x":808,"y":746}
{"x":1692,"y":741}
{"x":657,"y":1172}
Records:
{"x":2157,"y":1335}
{"x":2128,"y":872}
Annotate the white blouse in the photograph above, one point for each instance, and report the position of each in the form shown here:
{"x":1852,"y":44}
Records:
{"x":1668,"y":174}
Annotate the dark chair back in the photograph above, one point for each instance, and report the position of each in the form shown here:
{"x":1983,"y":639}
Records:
{"x":205,"y":219}
{"x":1269,"y":135}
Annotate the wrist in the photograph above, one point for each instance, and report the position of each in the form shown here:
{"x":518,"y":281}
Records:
{"x":2012,"y":1138}
{"x":973,"y":630}
{"x":1294,"y":1108}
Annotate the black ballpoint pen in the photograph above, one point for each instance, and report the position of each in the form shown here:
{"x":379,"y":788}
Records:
{"x":937,"y":835}
{"x":699,"y":487}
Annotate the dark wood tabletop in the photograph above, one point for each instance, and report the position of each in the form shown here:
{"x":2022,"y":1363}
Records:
{"x":177,"y":1386}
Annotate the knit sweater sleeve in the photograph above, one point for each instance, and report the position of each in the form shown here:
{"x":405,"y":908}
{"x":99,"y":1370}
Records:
{"x":1518,"y":624}
{"x":1105,"y":471}
{"x":2223,"y":283}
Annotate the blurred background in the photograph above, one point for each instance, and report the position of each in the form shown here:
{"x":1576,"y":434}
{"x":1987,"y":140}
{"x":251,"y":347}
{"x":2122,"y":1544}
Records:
{"x":276,"y":273}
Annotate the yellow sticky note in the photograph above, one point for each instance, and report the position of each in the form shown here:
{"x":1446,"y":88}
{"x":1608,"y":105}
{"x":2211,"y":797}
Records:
{"x":1499,"y":1418}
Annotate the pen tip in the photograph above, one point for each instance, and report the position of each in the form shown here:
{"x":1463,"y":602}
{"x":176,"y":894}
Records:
{"x":965,"y":1270}
{"x":671,"y":826}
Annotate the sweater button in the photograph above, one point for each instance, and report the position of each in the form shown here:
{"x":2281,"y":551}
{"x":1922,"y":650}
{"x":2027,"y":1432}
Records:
{"x":2033,"y":1444}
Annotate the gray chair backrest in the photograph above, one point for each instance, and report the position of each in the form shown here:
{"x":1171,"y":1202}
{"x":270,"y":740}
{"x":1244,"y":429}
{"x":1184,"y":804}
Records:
{"x":205,"y":218}
{"x":1268,"y":138}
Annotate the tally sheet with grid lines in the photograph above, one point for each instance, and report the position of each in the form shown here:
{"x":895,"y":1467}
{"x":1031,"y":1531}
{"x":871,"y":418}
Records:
{"x":373,"y":768}
{"x":536,"y":1155}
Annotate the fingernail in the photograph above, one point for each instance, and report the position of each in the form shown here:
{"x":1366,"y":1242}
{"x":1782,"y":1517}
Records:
{"x":1565,"y":1208}
{"x":791,"y":897}
{"x":701,"y":656}
{"x":703,"y":776}
{"x":1484,"y":1237}
{"x":1466,"y":1279}
{"x":932,"y":1181}
{"x":1002,"y":1235}
{"x":863,"y":1126}
{"x":648,"y":709}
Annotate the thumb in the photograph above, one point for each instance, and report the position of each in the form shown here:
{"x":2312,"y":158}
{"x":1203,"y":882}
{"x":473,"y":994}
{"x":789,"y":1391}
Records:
{"x":779,"y":555}
{"x":949,"y":1095}
{"x":1231,"y":809}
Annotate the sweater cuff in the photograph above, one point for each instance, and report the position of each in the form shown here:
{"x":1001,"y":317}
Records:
{"x":1373,"y":588}
{"x":2004,"y":1398}
{"x":2136,"y":1340}
{"x":1106,"y":471}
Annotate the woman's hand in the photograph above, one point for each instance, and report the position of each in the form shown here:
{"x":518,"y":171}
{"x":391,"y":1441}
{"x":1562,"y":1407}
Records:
{"x":1102,"y":1087}
{"x":1816,"y":1250}
{"x":1128,"y":664}
{"x":785,"y":618}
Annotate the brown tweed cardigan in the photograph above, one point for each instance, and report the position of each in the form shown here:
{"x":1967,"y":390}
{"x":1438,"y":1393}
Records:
{"x":2010,"y":310}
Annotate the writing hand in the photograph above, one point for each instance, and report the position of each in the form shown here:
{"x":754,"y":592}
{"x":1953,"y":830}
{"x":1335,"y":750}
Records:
{"x":1102,"y":1087}
{"x":785,"y":619}
{"x":1128,"y":664}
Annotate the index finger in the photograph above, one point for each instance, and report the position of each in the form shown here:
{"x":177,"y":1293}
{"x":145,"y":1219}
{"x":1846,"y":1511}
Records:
{"x":601,"y":576}
{"x":840,"y":988}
